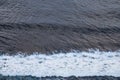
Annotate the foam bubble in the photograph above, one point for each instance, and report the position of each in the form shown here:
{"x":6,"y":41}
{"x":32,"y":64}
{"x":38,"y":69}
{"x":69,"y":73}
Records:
{"x":93,"y":63}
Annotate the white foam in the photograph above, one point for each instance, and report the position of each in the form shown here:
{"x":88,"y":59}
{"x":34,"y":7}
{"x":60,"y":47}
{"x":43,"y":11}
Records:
{"x":93,"y":63}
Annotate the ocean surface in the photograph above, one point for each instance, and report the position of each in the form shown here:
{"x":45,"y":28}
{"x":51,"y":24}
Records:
{"x":47,"y":25}
{"x":32,"y":31}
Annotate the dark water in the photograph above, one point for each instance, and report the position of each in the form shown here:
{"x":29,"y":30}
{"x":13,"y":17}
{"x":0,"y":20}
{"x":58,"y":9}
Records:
{"x":76,"y":13}
{"x":58,"y":78}
{"x":59,"y":25}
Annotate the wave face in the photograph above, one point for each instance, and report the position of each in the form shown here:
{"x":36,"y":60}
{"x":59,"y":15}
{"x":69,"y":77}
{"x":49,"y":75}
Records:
{"x":93,"y":63}
{"x":46,"y":25}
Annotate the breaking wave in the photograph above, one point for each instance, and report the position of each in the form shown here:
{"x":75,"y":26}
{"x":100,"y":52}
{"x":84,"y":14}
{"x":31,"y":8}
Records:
{"x":92,"y":63}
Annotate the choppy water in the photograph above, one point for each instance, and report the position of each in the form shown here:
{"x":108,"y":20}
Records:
{"x":93,"y":63}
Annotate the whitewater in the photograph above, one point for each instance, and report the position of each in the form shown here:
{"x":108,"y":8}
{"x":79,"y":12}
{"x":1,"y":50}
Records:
{"x":75,"y":63}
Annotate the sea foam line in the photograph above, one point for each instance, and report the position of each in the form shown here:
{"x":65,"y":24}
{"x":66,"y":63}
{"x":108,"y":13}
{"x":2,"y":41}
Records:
{"x":94,"y":63}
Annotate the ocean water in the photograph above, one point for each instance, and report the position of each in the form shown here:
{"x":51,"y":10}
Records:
{"x":92,"y":63}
